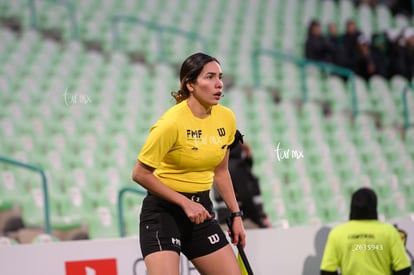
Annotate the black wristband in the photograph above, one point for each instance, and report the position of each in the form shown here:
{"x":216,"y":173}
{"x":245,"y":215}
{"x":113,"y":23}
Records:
{"x":236,"y":214}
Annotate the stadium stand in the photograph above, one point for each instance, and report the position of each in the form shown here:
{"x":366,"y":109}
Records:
{"x":80,"y":109}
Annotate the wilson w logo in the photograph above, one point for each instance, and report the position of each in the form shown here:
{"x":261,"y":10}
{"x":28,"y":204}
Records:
{"x":214,"y":238}
{"x":221,"y":132}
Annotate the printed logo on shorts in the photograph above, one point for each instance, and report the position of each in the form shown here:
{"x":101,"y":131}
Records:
{"x":176,"y":242}
{"x":91,"y":267}
{"x":214,"y":238}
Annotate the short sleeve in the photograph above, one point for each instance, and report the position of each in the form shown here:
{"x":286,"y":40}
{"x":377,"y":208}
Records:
{"x":330,"y":260}
{"x":160,"y":140}
{"x":399,"y":257}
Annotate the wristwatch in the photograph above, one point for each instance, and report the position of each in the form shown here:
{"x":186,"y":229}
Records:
{"x":236,"y":214}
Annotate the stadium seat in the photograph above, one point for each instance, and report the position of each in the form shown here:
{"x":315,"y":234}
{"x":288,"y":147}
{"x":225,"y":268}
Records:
{"x":102,"y":223}
{"x":384,"y":17}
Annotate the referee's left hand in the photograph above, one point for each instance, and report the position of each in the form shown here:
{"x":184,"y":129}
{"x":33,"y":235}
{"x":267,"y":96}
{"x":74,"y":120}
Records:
{"x":238,"y":235}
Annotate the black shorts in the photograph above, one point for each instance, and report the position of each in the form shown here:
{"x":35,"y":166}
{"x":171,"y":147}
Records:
{"x":165,"y":226}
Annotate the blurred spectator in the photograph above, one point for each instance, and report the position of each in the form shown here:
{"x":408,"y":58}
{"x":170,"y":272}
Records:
{"x":380,"y":54}
{"x":397,"y":65}
{"x":246,"y":187}
{"x":363,"y":64}
{"x":336,"y":45}
{"x":316,"y":45}
{"x":386,"y":53}
{"x":402,"y":60}
{"x":350,"y":40}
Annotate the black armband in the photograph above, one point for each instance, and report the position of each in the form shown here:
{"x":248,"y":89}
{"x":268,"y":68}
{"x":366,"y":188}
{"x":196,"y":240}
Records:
{"x":238,"y":137}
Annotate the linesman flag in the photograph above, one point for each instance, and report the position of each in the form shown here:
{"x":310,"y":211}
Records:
{"x":241,"y":257}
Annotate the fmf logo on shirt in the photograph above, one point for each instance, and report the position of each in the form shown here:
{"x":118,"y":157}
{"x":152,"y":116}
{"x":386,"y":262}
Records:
{"x":191,"y":134}
{"x":92,"y":267}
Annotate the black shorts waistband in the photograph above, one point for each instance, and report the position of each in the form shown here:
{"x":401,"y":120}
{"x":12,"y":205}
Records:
{"x":198,"y":196}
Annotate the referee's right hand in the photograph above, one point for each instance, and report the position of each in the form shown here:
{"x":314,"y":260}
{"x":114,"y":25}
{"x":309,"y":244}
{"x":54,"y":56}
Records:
{"x":195,"y":211}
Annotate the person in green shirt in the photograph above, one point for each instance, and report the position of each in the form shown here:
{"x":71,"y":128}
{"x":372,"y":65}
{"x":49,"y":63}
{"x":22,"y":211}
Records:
{"x":364,"y":245}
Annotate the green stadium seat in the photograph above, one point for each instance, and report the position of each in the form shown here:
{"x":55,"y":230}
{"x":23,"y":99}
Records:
{"x":10,"y":188}
{"x":347,"y":10}
{"x":365,"y":19}
{"x":388,"y":208}
{"x":407,"y":188}
{"x":328,"y":213}
{"x":102,"y":223}
{"x":131,"y":222}
{"x":12,"y":9}
{"x":77,"y":203}
{"x":384,"y":17}
{"x":362,"y":93}
{"x":297,"y":216}
{"x":33,"y":209}
{"x":329,"y":12}
{"x":5,"y":204}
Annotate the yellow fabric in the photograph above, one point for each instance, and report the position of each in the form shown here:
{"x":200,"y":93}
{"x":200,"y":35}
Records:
{"x":242,"y":266}
{"x":364,"y":247}
{"x":184,"y":149}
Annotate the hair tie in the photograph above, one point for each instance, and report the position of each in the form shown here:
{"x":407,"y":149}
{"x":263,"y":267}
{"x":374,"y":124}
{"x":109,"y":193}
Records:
{"x":176,"y":94}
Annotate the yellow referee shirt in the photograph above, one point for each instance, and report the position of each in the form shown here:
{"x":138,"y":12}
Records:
{"x":362,"y":247}
{"x":184,"y":149}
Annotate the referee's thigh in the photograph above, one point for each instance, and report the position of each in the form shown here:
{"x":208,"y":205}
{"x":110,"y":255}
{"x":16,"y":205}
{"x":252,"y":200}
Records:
{"x":220,"y":262}
{"x":163,"y":262}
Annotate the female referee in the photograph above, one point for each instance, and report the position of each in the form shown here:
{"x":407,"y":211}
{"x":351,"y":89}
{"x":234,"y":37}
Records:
{"x":186,"y":151}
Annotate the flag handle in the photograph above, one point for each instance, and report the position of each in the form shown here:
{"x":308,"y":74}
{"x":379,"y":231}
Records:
{"x":242,"y":254}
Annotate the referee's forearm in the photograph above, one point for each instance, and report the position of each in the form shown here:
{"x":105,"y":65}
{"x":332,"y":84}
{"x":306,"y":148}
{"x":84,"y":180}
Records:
{"x":144,"y":177}
{"x":225,"y":187}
